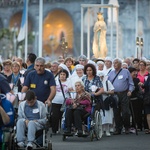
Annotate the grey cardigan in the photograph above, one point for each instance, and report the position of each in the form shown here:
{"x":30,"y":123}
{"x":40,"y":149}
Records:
{"x":42,"y":111}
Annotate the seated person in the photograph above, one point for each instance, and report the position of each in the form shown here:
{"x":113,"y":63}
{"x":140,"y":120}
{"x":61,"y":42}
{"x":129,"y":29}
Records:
{"x":6,"y":114}
{"x":31,"y":116}
{"x":75,"y":112}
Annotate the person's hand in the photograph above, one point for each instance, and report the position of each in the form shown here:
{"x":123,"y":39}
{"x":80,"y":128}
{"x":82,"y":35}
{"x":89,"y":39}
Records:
{"x":0,"y":108}
{"x":74,"y":105}
{"x":140,"y":84}
{"x":48,"y":102}
{"x":26,"y":121}
{"x":72,"y":101}
{"x":70,"y":89}
{"x":129,"y":93}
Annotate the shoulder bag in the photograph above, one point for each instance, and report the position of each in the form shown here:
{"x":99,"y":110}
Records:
{"x":64,"y":103}
{"x":111,"y":99}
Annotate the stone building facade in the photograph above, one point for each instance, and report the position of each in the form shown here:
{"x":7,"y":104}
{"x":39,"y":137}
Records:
{"x":72,"y":10}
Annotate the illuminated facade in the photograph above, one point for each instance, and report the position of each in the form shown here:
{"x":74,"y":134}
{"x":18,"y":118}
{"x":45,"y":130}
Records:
{"x":62,"y":18}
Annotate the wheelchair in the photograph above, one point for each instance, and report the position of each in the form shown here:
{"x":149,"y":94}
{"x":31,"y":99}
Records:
{"x":7,"y":138}
{"x":42,"y":140}
{"x":46,"y":143}
{"x":92,"y":124}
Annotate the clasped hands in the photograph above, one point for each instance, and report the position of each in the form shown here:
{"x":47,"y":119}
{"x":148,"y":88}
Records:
{"x":74,"y":105}
{"x":27,"y":121}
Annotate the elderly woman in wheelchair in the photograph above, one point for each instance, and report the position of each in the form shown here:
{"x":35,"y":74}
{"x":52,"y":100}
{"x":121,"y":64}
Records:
{"x":31,"y":118}
{"x":77,"y":108}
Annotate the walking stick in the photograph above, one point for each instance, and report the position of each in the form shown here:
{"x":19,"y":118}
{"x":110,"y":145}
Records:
{"x":132,"y":111}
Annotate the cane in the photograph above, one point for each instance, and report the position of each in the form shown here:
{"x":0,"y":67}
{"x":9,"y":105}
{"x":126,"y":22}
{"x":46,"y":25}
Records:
{"x":132,"y":111}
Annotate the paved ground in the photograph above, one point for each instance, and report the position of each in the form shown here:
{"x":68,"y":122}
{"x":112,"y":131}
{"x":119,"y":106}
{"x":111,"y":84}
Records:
{"x":115,"y":142}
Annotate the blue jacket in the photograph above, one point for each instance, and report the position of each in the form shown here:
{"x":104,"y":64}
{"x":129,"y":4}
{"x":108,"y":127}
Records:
{"x":8,"y":107}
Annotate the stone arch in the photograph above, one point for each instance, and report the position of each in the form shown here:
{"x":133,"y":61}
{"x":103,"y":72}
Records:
{"x":57,"y":23}
{"x":15,"y":21}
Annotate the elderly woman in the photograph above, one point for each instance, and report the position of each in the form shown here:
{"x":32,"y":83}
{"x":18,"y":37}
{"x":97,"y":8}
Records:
{"x":100,"y":65}
{"x":77,"y":75}
{"x":14,"y":80}
{"x":7,"y":68}
{"x":75,"y":111}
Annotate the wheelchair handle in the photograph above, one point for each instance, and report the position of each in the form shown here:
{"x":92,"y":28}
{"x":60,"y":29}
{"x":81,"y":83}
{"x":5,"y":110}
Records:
{"x":47,"y":108}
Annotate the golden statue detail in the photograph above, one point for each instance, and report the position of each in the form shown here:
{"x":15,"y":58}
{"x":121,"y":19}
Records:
{"x":99,"y":40}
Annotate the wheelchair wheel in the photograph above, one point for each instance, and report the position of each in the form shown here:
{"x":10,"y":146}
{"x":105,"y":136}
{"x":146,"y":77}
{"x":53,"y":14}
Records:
{"x":64,"y":137}
{"x":63,"y":126}
{"x":91,"y":135}
{"x":98,"y":125}
{"x":49,"y":146}
{"x":11,"y":142}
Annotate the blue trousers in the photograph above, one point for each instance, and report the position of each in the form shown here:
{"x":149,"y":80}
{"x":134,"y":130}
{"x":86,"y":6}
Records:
{"x":31,"y":130}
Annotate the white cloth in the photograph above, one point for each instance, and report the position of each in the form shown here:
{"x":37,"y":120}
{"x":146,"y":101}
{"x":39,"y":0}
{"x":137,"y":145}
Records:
{"x":65,"y":67}
{"x":74,"y":79}
{"x":108,"y":118}
{"x":106,"y":71}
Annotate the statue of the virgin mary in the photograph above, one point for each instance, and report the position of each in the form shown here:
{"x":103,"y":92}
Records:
{"x":99,"y":41}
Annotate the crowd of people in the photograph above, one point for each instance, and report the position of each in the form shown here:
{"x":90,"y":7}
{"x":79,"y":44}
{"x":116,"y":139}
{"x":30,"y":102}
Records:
{"x":52,"y":83}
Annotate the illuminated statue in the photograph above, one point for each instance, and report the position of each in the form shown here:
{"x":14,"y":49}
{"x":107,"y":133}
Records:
{"x":99,"y":41}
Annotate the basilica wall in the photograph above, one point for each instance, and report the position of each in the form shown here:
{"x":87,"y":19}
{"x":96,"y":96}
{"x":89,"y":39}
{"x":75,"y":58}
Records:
{"x":66,"y":21}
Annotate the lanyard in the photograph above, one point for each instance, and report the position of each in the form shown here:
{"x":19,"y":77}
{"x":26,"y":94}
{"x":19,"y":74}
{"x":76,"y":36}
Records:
{"x":15,"y":78}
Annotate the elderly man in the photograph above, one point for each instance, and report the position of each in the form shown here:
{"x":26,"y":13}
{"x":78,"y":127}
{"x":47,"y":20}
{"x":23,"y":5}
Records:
{"x":41,"y":81}
{"x":54,"y":68}
{"x":31,"y":117}
{"x":83,"y":60}
{"x":123,"y":84}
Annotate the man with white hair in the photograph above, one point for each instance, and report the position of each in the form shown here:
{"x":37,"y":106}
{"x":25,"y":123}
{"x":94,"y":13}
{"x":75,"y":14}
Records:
{"x":123,"y":84}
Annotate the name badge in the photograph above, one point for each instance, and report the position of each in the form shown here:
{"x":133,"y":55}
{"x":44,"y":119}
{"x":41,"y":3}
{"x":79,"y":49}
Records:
{"x":145,"y":78}
{"x":15,"y":89}
{"x":33,"y":86}
{"x":120,"y":77}
{"x":35,"y":111}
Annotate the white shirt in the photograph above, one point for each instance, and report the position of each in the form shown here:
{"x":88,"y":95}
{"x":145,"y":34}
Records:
{"x":59,"y":98}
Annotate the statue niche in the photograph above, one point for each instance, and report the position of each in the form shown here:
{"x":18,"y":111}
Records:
{"x":99,"y":40}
